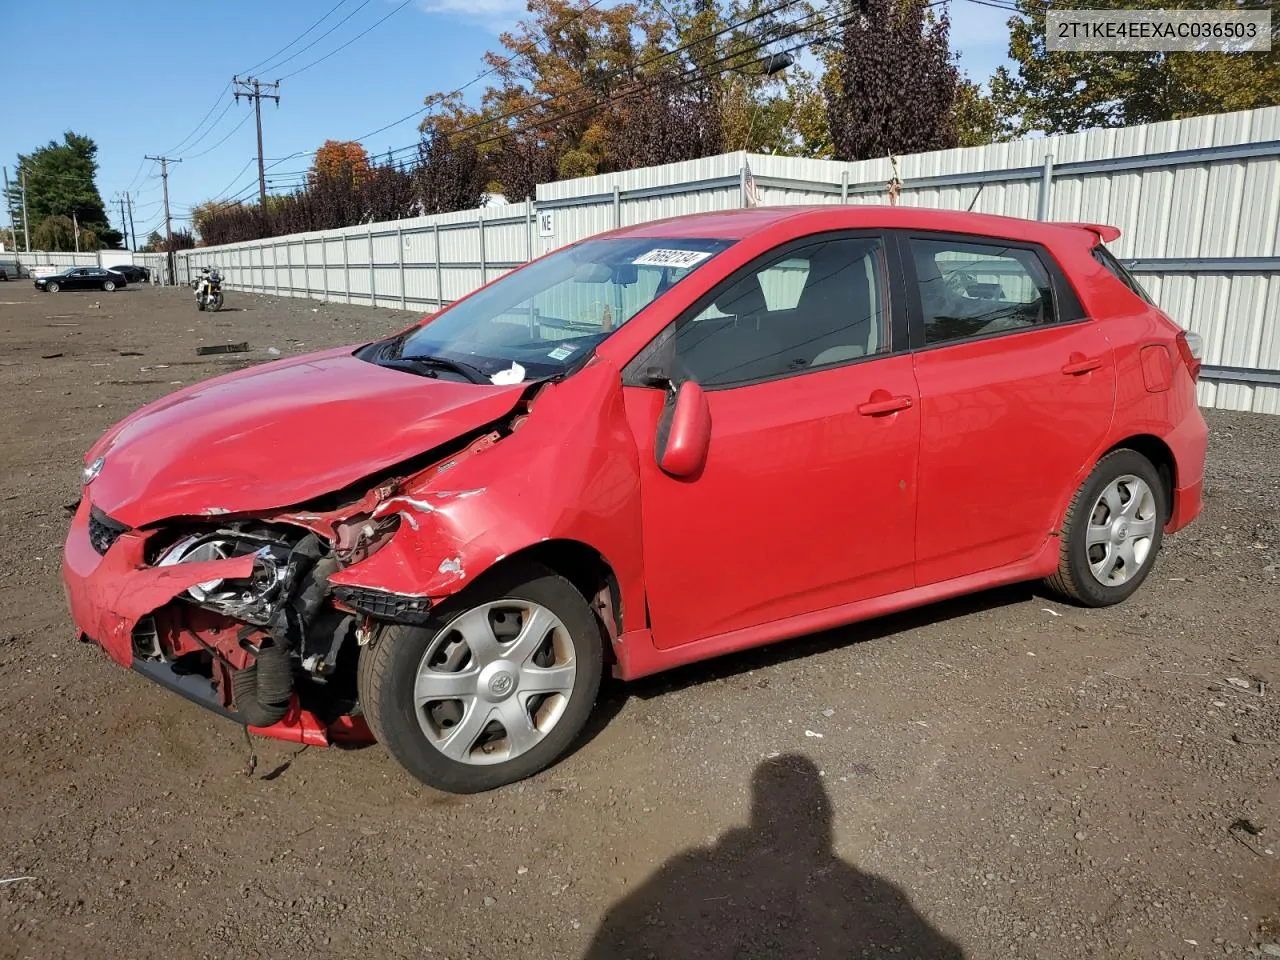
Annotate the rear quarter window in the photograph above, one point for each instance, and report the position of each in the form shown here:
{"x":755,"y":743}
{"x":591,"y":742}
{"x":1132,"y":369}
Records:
{"x":1120,"y":272}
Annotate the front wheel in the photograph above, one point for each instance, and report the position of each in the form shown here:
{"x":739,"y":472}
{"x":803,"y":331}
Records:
{"x":199,"y":304}
{"x":109,"y":286}
{"x":495,"y":688}
{"x":53,"y":287}
{"x":216,"y":301}
{"x":1113,"y":531}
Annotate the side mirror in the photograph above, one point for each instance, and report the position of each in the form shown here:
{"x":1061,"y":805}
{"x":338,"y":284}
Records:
{"x":684,"y":432}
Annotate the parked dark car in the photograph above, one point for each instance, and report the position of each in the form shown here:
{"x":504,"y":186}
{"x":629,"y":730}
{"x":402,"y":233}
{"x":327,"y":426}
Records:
{"x":81,"y":278}
{"x":132,"y":272}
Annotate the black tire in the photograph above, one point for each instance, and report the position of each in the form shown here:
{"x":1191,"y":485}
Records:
{"x":200,"y":305}
{"x":388,"y":668}
{"x":52,"y":287}
{"x":1074,"y":579}
{"x":109,"y":286}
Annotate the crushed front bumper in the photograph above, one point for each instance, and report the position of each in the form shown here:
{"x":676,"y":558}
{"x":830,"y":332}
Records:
{"x":109,"y":593}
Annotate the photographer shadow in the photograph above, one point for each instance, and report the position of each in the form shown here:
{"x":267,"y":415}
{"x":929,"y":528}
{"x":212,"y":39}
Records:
{"x":775,"y":889}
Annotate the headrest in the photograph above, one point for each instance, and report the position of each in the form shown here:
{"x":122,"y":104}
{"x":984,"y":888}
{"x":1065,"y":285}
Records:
{"x":743,"y":299}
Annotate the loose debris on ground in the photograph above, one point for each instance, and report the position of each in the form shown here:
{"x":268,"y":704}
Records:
{"x":997,"y":779}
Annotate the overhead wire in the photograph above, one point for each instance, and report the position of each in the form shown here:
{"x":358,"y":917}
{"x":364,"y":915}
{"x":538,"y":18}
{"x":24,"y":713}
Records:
{"x":207,"y":150}
{"x":183,"y":142}
{"x":401,"y":6}
{"x":294,"y":56}
{"x":265,"y":60}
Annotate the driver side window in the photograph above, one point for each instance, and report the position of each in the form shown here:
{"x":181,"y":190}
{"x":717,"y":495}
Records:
{"x":813,"y":307}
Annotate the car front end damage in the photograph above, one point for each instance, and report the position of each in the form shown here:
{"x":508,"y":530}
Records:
{"x":240,"y":612}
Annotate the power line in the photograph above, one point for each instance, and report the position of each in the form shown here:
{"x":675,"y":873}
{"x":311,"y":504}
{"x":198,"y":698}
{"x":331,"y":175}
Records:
{"x":654,"y":59}
{"x":402,"y":5}
{"x":294,"y":56}
{"x":691,"y":76}
{"x":181,"y":143}
{"x":296,"y":39}
{"x":213,"y":126}
{"x":243,"y":121}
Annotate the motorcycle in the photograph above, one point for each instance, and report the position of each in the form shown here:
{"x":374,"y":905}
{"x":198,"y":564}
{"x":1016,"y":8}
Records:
{"x":209,"y":290}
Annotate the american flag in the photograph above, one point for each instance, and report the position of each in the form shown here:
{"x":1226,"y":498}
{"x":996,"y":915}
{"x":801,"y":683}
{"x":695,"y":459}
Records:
{"x":750,"y":193}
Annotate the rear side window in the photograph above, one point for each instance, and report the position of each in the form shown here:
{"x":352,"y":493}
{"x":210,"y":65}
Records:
{"x":1120,"y":272}
{"x":978,"y":289}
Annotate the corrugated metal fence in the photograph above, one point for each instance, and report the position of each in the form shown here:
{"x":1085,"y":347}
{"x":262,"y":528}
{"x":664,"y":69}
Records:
{"x":35,"y":260}
{"x":1197,"y":200}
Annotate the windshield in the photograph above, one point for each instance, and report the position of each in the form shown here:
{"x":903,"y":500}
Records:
{"x":542,"y":320}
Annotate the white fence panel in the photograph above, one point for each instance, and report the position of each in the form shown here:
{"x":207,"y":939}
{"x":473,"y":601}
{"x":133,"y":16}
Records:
{"x":1197,"y":202}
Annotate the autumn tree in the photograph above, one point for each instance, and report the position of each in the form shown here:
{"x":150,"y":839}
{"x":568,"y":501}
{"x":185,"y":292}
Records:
{"x":340,"y":161}
{"x":895,"y":81}
{"x":1062,"y":92}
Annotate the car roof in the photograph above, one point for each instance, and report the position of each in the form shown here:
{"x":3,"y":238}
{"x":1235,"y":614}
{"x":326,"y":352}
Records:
{"x":738,"y":224}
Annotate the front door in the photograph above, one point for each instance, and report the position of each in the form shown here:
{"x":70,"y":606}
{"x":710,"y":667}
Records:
{"x":807,"y":497}
{"x":1017,"y":390}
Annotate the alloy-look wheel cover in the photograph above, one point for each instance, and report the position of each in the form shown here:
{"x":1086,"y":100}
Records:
{"x":495,"y":681}
{"x":1121,"y":532}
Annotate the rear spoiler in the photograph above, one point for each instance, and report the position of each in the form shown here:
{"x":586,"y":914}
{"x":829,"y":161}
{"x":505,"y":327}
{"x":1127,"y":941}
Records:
{"x":1104,"y":233}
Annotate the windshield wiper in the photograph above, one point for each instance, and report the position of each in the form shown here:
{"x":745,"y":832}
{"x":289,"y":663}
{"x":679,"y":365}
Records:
{"x":428,"y":364}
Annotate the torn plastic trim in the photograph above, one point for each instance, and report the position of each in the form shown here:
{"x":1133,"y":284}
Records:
{"x":388,"y":607}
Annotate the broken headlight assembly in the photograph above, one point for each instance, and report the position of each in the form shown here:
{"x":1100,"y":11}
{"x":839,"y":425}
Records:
{"x":252,"y":599}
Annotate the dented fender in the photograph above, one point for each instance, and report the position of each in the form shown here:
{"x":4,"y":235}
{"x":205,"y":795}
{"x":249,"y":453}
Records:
{"x":567,"y":472}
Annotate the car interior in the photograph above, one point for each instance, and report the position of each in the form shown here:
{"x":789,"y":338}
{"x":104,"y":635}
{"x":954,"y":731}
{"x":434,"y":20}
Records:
{"x":821,"y":305}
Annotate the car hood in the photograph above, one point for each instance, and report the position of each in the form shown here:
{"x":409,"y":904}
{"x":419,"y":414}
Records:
{"x":280,"y":434}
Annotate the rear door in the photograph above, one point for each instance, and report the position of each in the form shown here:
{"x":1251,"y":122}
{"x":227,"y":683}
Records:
{"x":1017,"y":390}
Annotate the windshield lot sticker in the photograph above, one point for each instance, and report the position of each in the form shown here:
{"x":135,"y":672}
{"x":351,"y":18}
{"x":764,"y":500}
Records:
{"x":559,"y":353}
{"x":513,"y":374}
{"x":671,"y":258}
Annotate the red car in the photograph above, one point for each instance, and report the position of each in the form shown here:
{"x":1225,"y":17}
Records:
{"x":670,"y":442}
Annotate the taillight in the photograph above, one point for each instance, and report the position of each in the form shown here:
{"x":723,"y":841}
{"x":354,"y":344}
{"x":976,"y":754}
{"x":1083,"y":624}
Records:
{"x":1191,"y":347}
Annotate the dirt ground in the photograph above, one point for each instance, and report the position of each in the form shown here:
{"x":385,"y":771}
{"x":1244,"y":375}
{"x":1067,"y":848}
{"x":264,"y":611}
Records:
{"x":1002,"y":776}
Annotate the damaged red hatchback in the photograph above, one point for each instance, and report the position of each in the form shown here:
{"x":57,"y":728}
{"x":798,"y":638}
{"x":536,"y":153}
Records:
{"x":667,"y":443}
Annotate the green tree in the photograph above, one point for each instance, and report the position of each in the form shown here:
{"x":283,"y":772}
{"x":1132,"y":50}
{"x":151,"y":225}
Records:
{"x":1063,"y":92}
{"x":60,"y":183}
{"x":154,"y":244}
{"x":59,"y":234}
{"x":975,"y":117}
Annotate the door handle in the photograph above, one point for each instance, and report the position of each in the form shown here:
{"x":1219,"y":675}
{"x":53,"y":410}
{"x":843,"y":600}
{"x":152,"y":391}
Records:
{"x":1079,"y":364}
{"x":883,"y":404}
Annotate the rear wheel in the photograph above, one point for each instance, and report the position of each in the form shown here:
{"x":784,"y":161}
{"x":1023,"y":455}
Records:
{"x":53,"y":287}
{"x":494,"y":689}
{"x":1114,"y":529}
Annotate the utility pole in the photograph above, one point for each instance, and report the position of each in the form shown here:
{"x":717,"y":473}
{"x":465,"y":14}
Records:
{"x":168,"y":221}
{"x":8,"y":205}
{"x":251,"y":89}
{"x":75,"y":224}
{"x":26,"y":221}
{"x":124,"y":224}
{"x":132,"y":231}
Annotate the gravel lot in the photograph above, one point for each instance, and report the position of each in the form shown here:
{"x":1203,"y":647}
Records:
{"x":1003,"y":776}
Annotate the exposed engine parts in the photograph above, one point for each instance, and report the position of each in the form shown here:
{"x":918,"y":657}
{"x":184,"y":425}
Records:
{"x":252,"y":600}
{"x":285,"y":622}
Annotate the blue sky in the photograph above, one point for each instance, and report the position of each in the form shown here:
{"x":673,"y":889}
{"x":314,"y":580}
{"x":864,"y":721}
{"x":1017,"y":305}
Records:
{"x":139,"y":75}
